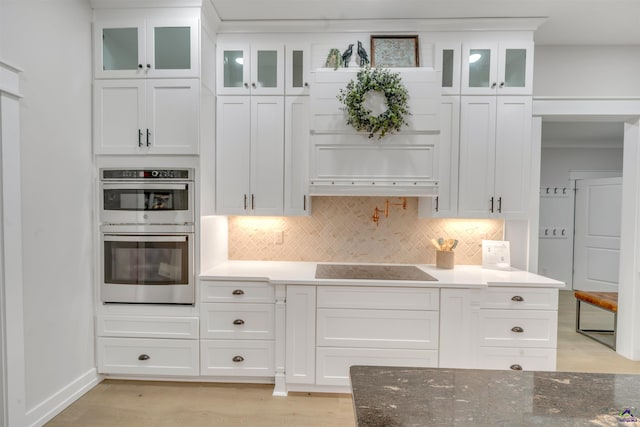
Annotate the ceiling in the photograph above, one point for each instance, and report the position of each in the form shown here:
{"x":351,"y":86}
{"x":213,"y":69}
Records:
{"x":582,"y":22}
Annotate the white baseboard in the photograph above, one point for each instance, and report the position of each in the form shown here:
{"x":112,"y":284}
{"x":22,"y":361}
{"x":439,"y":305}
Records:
{"x":56,"y":403}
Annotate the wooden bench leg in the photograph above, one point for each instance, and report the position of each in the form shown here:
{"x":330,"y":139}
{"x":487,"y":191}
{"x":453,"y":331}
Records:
{"x":592,"y":333}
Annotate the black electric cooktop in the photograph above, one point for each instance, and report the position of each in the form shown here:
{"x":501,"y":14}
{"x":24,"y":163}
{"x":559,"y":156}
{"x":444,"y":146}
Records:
{"x":372,"y":272}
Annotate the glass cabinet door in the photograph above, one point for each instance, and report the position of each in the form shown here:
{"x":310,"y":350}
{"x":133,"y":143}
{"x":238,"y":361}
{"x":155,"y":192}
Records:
{"x":297,"y":63}
{"x":172,"y":48}
{"x":448,"y":62}
{"x":267,"y":70}
{"x":234,"y":69}
{"x":516,"y":70}
{"x":119,"y":50}
{"x":497,"y":68}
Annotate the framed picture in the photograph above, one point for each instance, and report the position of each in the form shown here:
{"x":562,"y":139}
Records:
{"x":394,"y":51}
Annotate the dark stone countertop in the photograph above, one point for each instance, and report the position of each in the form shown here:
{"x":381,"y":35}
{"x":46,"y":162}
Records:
{"x":403,"y":397}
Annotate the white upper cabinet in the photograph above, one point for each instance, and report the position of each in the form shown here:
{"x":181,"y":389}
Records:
{"x":447,"y":61}
{"x":296,"y":156}
{"x":495,"y":149}
{"x":251,"y":69}
{"x":250,"y":155}
{"x":146,"y":48}
{"x":155,"y":116}
{"x":297,"y":69}
{"x":497,"y":68}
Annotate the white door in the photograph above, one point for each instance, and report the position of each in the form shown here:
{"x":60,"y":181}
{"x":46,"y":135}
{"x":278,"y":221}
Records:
{"x":597,"y":234}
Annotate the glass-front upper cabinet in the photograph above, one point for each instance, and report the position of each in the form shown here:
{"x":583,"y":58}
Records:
{"x":504,"y":69}
{"x":251,"y":70}
{"x":298,"y":68}
{"x":147,"y":48}
{"x":447,"y":60}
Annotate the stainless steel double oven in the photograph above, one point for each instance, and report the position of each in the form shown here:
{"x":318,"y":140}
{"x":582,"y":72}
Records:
{"x":147,"y":228}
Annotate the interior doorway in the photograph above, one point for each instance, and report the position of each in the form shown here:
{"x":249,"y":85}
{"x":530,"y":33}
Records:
{"x":570,"y":151}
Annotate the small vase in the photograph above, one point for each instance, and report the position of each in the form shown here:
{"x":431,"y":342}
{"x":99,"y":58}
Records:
{"x":445,"y":259}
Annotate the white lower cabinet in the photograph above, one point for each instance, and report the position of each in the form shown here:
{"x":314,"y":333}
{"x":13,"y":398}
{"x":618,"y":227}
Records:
{"x":139,"y":356}
{"x":238,"y":330}
{"x":147,"y":345}
{"x":330,"y":328}
{"x":499,"y":328}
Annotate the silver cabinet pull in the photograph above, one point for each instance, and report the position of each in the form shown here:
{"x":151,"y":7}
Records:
{"x":499,"y":204}
{"x":253,"y":202}
{"x":491,"y":205}
{"x":238,"y":359}
{"x":515,"y":367}
{"x":501,"y":85}
{"x":144,"y":357}
{"x":306,"y":84}
{"x":517,"y":298}
{"x":493,"y":85}
{"x":238,"y":292}
{"x":437,"y":203}
{"x":148,"y":138}
{"x":139,"y":137}
{"x":238,"y":322}
{"x":304,"y":202}
{"x":246,"y":85}
{"x":245,"y":202}
{"x":517,"y":329}
{"x":253,"y":85}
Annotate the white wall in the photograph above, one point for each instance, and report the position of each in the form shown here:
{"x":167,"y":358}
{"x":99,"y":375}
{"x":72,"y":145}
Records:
{"x":51,"y":41}
{"x":608,"y":71}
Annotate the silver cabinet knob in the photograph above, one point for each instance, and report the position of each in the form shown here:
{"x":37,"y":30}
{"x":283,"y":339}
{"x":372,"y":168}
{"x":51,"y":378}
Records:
{"x":238,"y":322}
{"x":238,"y":292}
{"x":517,"y":298}
{"x":515,"y":367}
{"x":144,"y":357}
{"x":238,"y":359}
{"x":517,"y":329}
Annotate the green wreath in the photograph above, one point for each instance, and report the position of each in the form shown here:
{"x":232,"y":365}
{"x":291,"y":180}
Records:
{"x":361,"y":118}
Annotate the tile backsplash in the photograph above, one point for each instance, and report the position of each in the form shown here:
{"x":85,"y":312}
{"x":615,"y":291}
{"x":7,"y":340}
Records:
{"x":340,"y":229}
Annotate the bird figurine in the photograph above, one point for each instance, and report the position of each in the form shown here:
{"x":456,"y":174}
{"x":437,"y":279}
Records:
{"x":346,"y":55}
{"x":364,"y":58}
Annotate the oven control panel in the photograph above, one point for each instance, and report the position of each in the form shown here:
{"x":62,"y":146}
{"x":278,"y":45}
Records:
{"x":135,"y":174}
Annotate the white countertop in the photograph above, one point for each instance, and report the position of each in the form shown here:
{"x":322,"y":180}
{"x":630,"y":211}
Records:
{"x":303,"y":273}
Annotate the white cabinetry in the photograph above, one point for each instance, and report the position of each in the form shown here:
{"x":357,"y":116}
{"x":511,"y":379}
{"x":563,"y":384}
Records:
{"x":518,"y":329}
{"x":127,"y":48}
{"x":497,"y":68}
{"x":237,"y":332}
{"x":153,"y":116}
{"x":250,"y":155}
{"x":499,"y":328}
{"x":495,"y":150}
{"x":296,"y":156}
{"x":147,"y":345}
{"x":251,"y":69}
{"x":358,"y":325}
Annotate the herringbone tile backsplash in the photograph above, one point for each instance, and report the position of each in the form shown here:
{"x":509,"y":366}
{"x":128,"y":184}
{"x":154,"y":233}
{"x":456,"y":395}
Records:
{"x":340,"y":230}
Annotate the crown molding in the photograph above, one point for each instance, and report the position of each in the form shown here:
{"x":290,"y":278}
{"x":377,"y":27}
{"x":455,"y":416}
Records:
{"x":381,"y":25}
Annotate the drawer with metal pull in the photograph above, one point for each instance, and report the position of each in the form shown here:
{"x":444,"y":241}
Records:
{"x":518,"y":328}
{"x":237,"y":292}
{"x":520,"y":298}
{"x":517,"y":359}
{"x":237,"y":321}
{"x":237,"y":358}
{"x":138,"y":356}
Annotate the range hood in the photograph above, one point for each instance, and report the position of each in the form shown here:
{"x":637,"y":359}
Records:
{"x":344,"y":162}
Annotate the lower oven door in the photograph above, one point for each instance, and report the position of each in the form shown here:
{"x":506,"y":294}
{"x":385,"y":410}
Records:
{"x":156,"y":268}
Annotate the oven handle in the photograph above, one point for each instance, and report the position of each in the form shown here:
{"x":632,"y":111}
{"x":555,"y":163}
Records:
{"x":145,"y":237}
{"x":145,"y":186}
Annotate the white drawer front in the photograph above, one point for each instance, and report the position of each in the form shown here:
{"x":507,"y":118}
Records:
{"x":521,"y":298}
{"x":377,"y":328}
{"x":237,"y":358}
{"x":516,"y":328}
{"x":332,"y":364}
{"x":237,"y":321}
{"x":374,"y":297}
{"x":147,"y":327}
{"x":224,"y":291}
{"x":528,"y":359}
{"x":139,"y":356}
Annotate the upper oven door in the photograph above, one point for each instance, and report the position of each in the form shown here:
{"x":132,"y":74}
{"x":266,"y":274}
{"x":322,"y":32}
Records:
{"x":146,"y":203}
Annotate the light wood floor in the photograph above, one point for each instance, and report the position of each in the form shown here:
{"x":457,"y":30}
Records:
{"x":158,"y":404}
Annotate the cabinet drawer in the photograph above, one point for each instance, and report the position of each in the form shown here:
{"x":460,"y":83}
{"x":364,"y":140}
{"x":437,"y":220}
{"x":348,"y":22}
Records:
{"x":147,"y":327}
{"x":227,"y":291}
{"x":518,"y":328}
{"x":378,"y":297}
{"x":529,"y":359}
{"x":139,"y":356}
{"x":237,"y":321}
{"x":332,"y":364}
{"x":521,"y":298}
{"x":377,"y":328}
{"x":237,"y":358}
